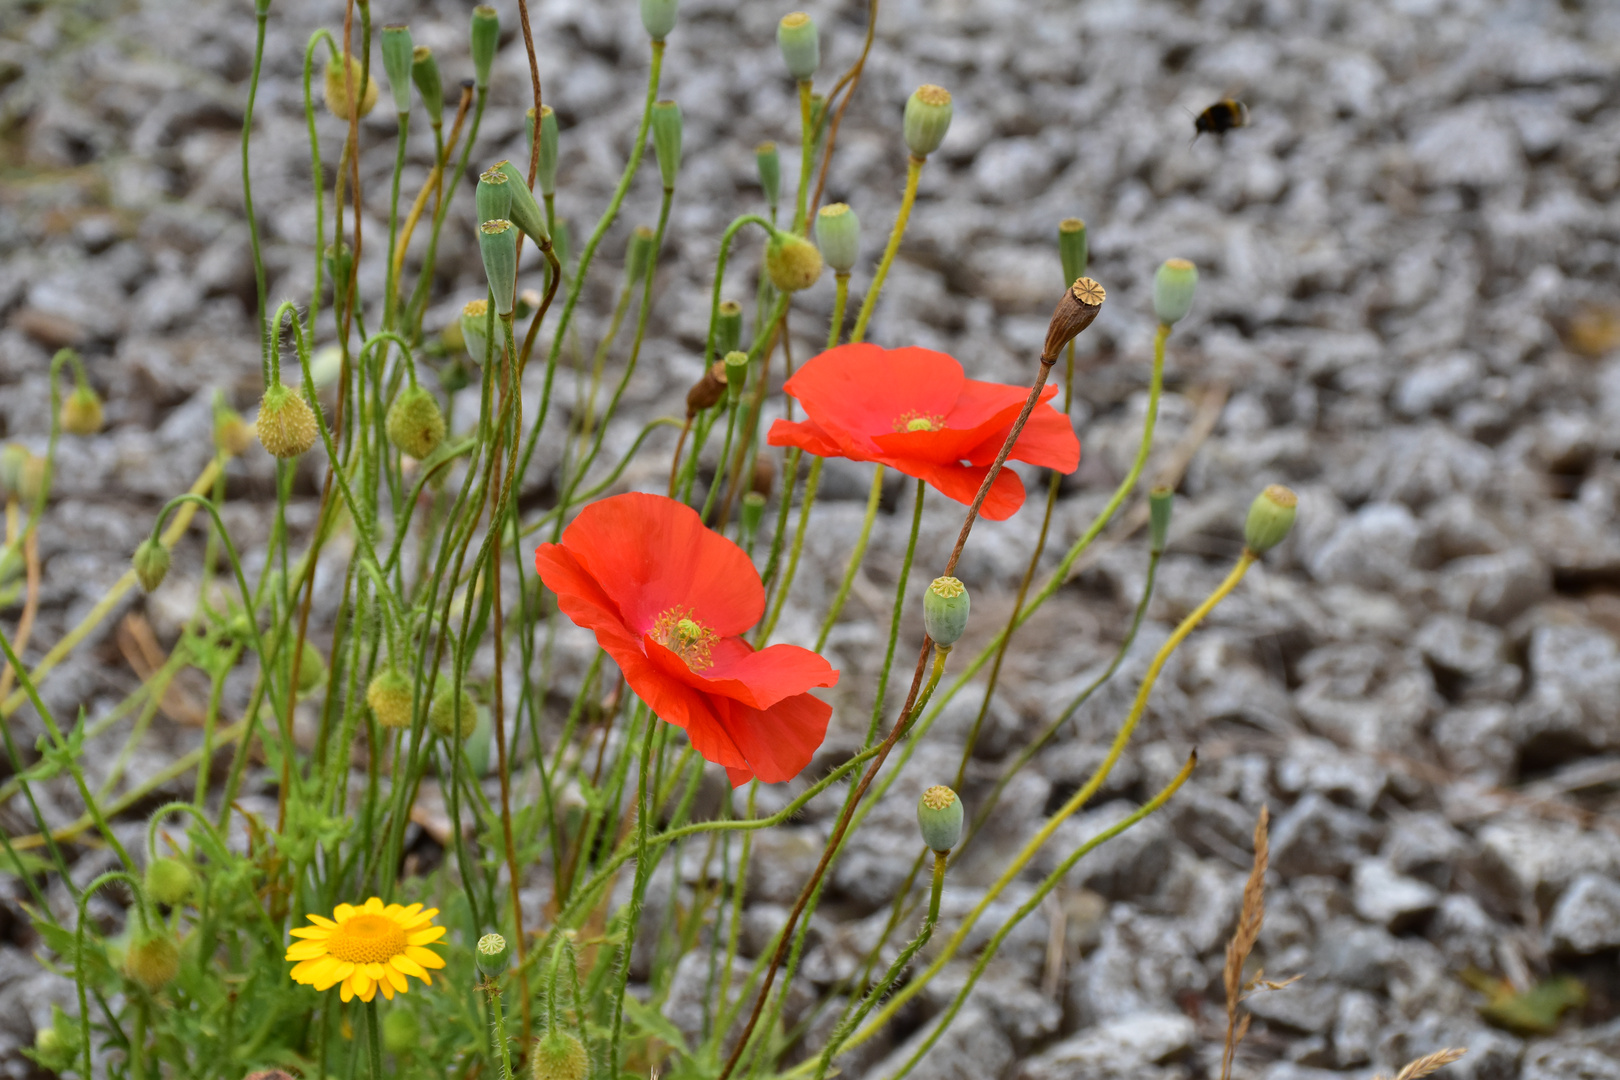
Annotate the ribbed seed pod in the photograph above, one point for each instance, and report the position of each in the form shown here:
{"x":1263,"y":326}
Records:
{"x":493,"y":195}
{"x":546,"y":177}
{"x":486,"y":37}
{"x":800,"y":43}
{"x":497,"y":243}
{"x":1072,"y":249}
{"x":838,"y":234}
{"x":939,"y":818}
{"x":522,"y":208}
{"x":728,"y":327}
{"x":658,"y":17}
{"x":474,"y":314}
{"x":425,"y":74}
{"x":928,"y":118}
{"x":946,"y":605}
{"x":666,"y":132}
{"x":1173,"y":287}
{"x":1271,"y":516}
{"x":396,"y":54}
{"x":769,"y":163}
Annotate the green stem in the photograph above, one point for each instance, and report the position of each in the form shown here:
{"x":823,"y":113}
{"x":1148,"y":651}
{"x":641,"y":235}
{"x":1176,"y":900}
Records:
{"x":262,"y":13}
{"x":913,"y":175}
{"x":874,"y":498}
{"x":374,"y":1041}
{"x":811,"y":481}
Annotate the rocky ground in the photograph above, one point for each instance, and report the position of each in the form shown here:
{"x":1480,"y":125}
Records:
{"x":1409,"y":311}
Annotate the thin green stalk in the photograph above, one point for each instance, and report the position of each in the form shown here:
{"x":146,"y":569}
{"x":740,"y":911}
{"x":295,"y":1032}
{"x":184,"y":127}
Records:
{"x":261,"y":14}
{"x":913,"y":174}
{"x":374,"y":1041}
{"x":811,"y":482}
{"x":835,"y":325}
{"x":874,"y":498}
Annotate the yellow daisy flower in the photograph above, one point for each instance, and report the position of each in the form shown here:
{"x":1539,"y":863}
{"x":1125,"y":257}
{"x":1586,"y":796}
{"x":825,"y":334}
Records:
{"x":366,"y":948}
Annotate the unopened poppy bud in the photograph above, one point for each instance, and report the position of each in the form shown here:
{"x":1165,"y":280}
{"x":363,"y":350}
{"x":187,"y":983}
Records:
{"x":769,"y":163}
{"x":800,"y":42}
{"x":945,"y":610}
{"x":559,"y":1055}
{"x":497,"y":243}
{"x":425,"y":74}
{"x":546,"y":177}
{"x":415,"y":425}
{"x":81,"y":412}
{"x":939,"y":817}
{"x":153,"y":960}
{"x":522,"y":208}
{"x":1072,"y":249}
{"x":753,"y":512}
{"x":389,"y":696}
{"x":728,"y":327}
{"x":474,"y":316}
{"x":311,"y":668}
{"x":486,"y":36}
{"x":707,"y":391}
{"x":493,"y":195}
{"x":452,"y":715}
{"x":151,"y":563}
{"x":286,"y":424}
{"x":792,"y":262}
{"x":658,"y":16}
{"x":396,"y":55}
{"x":232,"y":434}
{"x":491,"y":955}
{"x":666,"y":132}
{"x":339,"y":92}
{"x":168,"y":881}
{"x":1160,"y":501}
{"x":838,"y":234}
{"x":1173,"y":289}
{"x":31,"y":479}
{"x":638,"y":255}
{"x":928,"y":118}
{"x":12,"y":458}
{"x":736,"y":374}
{"x":1271,"y":516}
{"x":401,"y":1033}
{"x":1079,"y":306}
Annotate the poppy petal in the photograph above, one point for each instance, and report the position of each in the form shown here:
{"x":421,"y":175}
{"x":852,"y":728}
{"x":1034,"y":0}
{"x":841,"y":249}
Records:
{"x":808,"y":436}
{"x":757,"y":678}
{"x":865,"y":390}
{"x":738,"y":777}
{"x":780,"y":741}
{"x":674,"y":702}
{"x":961,"y":482}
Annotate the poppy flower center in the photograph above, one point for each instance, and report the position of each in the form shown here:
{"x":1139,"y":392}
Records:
{"x":684,"y":636}
{"x":911,"y":420}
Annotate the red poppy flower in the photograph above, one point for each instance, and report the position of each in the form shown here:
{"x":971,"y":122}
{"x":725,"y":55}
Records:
{"x":668,"y":599}
{"x":915,"y":410}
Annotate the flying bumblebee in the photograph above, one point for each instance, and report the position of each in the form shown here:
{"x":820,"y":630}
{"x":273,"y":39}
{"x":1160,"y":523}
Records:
{"x":1221,"y":117}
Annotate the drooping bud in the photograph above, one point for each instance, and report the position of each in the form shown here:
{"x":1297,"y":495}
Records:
{"x":928,"y":118}
{"x":31,"y":479}
{"x":491,"y":955}
{"x":415,"y":425}
{"x":753,"y":512}
{"x":474,"y":315}
{"x":736,"y":374}
{"x":232,"y":434}
{"x":838,"y":234}
{"x":522,"y":208}
{"x":401,"y":1034}
{"x":1160,"y":501}
{"x":666,"y":132}
{"x":800,"y":42}
{"x":339,"y":91}
{"x":425,"y":74}
{"x":497,"y":243}
{"x":546,"y":177}
{"x":707,"y":391}
{"x":792,"y":262}
{"x":396,"y":54}
{"x":946,"y":604}
{"x":486,"y":36}
{"x":939,"y":817}
{"x":560,"y":1055}
{"x":1173,"y":287}
{"x":769,"y":163}
{"x":153,"y":959}
{"x":638,"y":255}
{"x":1072,"y":249}
{"x":311,"y":668}
{"x":1079,"y":306}
{"x":286,"y":424}
{"x":728,"y":327}
{"x":81,"y":412}
{"x":493,"y":195}
{"x":1271,"y":516}
{"x":451,"y":715}
{"x":12,"y":458}
{"x":389,"y":696}
{"x":151,"y":563}
{"x":658,"y":16}
{"x":168,"y":881}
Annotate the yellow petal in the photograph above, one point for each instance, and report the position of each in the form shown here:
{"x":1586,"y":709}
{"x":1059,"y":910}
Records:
{"x":424,"y":937}
{"x":304,"y":972}
{"x":320,"y":920}
{"x":343,"y":912}
{"x":425,"y":957}
{"x":412,"y":910}
{"x":421,"y":919}
{"x":395,"y":977}
{"x":408,"y":966}
{"x":313,"y":933}
{"x":373,"y":906}
{"x":337,"y":972}
{"x":388,"y":991}
{"x":362,"y":982}
{"x":306,"y":950}
{"x":346,"y":991}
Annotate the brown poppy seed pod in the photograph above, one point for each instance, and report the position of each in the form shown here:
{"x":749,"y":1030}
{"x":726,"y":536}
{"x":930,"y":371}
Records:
{"x":707,"y":391}
{"x":1079,"y":306}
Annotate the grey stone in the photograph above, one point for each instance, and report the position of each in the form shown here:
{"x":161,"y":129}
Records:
{"x":1127,"y":866}
{"x":1495,"y":588}
{"x":1540,"y":858}
{"x":1466,"y":146}
{"x":1465,"y":933}
{"x":1317,"y":837}
{"x":1141,"y":964}
{"x":1355,"y":955}
{"x":1308,"y":1005}
{"x":1560,"y":1060}
{"x":972,"y":1048}
{"x":1390,"y":899}
{"x":1374,"y":548}
{"x":1576,"y":694}
{"x":1124,"y":1048}
{"x":1438,"y":386}
{"x":781,"y":861}
{"x":1425,"y":846}
{"x":1586,"y":918}
{"x":1355,"y":1029}
{"x":1478,"y":740}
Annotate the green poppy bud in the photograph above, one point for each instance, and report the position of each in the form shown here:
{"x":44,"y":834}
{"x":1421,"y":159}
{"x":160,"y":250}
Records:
{"x":928,"y":118}
{"x":1271,"y":515}
{"x":415,"y":425}
{"x":311,"y":668}
{"x":486,"y":36}
{"x":753,"y":512}
{"x":452,"y":715}
{"x":638,"y":254}
{"x":1160,"y":500}
{"x":769,"y":163}
{"x":389,"y":696}
{"x":800,"y":42}
{"x":168,"y":881}
{"x":31,"y":479}
{"x":286,"y":424}
{"x":658,"y":16}
{"x":945,"y":610}
{"x":728,"y":327}
{"x":736,"y":374}
{"x":666,"y":133}
{"x":151,"y":562}
{"x":396,"y":54}
{"x":12,"y":458}
{"x":522,"y":208}
{"x":547,"y":175}
{"x":339,"y":91}
{"x":792,"y":262}
{"x":939,"y":816}
{"x":1173,"y":289}
{"x":560,"y":1055}
{"x":82,"y":412}
{"x":497,"y":243}
{"x":153,"y":960}
{"x":474,"y":316}
{"x":838,"y":234}
{"x":491,"y":955}
{"x":1072,"y":249}
{"x":425,"y":74}
{"x":232,"y":434}
{"x":401,"y":1034}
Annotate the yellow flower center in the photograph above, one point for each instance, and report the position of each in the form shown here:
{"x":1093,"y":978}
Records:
{"x":684,"y":636}
{"x":916,"y":421}
{"x":367,"y":939}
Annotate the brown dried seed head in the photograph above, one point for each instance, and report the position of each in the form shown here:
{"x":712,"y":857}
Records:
{"x":707,"y":391}
{"x":1080,"y":304}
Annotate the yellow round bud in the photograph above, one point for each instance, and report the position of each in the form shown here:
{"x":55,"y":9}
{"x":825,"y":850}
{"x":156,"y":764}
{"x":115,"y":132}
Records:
{"x":338,"y":90}
{"x":286,"y":424}
{"x":153,"y":960}
{"x":560,"y":1056}
{"x":81,"y":412}
{"x":415,"y":424}
{"x":792,"y":262}
{"x":450,"y":716}
{"x":389,"y":696}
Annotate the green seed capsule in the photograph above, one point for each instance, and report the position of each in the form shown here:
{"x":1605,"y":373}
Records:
{"x":939,"y":817}
{"x":800,"y":42}
{"x":736,"y":374}
{"x":666,"y":133}
{"x":497,"y":243}
{"x":474,"y":317}
{"x":546,"y":177}
{"x":658,"y":16}
{"x":491,"y":955}
{"x":1160,"y":501}
{"x":396,"y":54}
{"x":1072,"y":249}
{"x":522,"y":208}
{"x":838,"y":234}
{"x":1271,"y":516}
{"x":493,"y":195}
{"x":1173,"y":289}
{"x":728,"y":327}
{"x":769,"y":163}
{"x":946,"y":604}
{"x":425,"y":74}
{"x":928,"y":118}
{"x":486,"y":37}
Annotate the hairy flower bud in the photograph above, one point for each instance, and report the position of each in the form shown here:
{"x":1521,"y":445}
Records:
{"x":13,"y":456}
{"x":666,"y":133}
{"x":658,"y":17}
{"x":396,"y":55}
{"x":497,"y":243}
{"x":1072,"y":249}
{"x":939,"y":817}
{"x":31,"y":478}
{"x":415,"y":425}
{"x":946,"y":604}
{"x":928,"y":118}
{"x":311,"y":668}
{"x":1173,"y":287}
{"x":81,"y":412}
{"x":151,"y":563}
{"x":769,"y":163}
{"x":546,"y":177}
{"x":389,"y":696}
{"x":474,"y":315}
{"x":425,"y":74}
{"x":232,"y":434}
{"x":168,"y":881}
{"x":792,"y":262}
{"x":451,"y":715}
{"x":1079,"y":306}
{"x":559,"y":1055}
{"x":800,"y":42}
{"x":838,"y":234}
{"x":486,"y":36}
{"x":339,"y":91}
{"x":491,"y":955}
{"x":1271,"y":516}
{"x":286,"y":424}
{"x":1160,"y":501}
{"x":707,"y":391}
{"x":153,"y":960}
